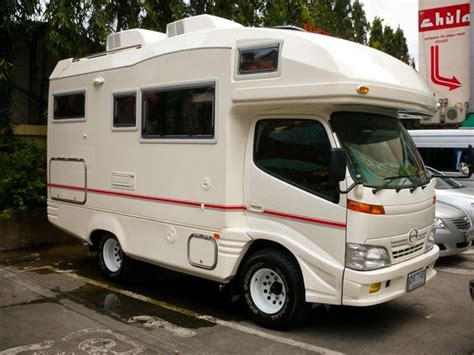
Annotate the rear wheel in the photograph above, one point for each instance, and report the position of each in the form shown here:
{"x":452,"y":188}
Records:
{"x":113,"y":262}
{"x":272,"y":289}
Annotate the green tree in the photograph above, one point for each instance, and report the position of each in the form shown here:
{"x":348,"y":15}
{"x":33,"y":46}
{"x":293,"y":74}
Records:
{"x":376,"y":34}
{"x":387,"y":44}
{"x":400,"y":43}
{"x":16,"y":25}
{"x":390,"y":42}
{"x":285,"y":12}
{"x":360,"y":23}
{"x":342,"y":13}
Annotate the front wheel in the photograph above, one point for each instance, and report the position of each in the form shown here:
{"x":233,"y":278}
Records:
{"x":272,"y":289}
{"x":113,"y":262}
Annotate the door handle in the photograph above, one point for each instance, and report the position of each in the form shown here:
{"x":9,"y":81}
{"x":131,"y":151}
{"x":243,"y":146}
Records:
{"x":254,"y":206}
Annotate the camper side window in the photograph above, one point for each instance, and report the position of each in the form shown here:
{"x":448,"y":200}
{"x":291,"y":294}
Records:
{"x":125,"y":110}
{"x":69,"y":106}
{"x":296,"y":151}
{"x":181,"y":113}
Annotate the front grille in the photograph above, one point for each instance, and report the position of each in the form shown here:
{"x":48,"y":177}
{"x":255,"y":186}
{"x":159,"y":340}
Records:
{"x":406,"y":249}
{"x":461,"y":223}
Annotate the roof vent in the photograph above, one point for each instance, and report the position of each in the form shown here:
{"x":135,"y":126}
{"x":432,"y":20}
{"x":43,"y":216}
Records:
{"x":113,"y":41}
{"x":131,"y":38}
{"x":175,"y":28}
{"x":198,"y":23}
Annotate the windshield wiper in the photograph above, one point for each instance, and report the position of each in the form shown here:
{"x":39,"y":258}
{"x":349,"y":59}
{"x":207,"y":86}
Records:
{"x":388,"y":180}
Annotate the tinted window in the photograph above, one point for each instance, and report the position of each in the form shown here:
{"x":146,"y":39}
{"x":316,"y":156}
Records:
{"x":179,"y":113}
{"x":444,"y":159}
{"x":125,"y":110}
{"x":295,"y":151}
{"x":258,"y":60}
{"x":69,"y":106}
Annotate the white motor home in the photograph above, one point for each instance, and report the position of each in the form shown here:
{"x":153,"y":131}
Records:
{"x":220,"y":151}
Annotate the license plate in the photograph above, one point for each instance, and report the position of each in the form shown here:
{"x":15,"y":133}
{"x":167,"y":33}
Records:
{"x":416,"y":279}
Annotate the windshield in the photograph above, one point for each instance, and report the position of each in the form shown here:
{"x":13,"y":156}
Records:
{"x":443,"y":181}
{"x":380,"y":152}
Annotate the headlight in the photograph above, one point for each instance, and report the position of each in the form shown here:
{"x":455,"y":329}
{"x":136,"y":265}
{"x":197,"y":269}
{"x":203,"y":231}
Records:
{"x":430,"y":240}
{"x":439,"y":224}
{"x":366,"y":257}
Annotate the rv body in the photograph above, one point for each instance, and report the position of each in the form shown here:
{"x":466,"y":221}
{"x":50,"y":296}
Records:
{"x":203,"y":200}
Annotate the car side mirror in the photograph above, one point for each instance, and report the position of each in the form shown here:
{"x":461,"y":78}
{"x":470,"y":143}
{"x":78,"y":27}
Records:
{"x":337,"y":164}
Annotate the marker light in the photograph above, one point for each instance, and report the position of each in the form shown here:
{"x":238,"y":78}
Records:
{"x":363,"y":90}
{"x":365,"y":208}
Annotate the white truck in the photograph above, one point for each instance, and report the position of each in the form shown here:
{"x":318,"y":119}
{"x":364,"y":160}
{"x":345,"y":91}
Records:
{"x":269,"y":157}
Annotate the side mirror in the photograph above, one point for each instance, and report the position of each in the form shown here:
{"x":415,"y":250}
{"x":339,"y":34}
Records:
{"x":337,"y":164}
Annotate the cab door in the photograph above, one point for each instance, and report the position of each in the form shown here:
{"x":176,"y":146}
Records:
{"x":291,"y":201}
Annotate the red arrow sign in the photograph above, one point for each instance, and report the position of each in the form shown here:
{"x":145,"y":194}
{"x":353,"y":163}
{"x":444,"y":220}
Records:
{"x":451,"y":83}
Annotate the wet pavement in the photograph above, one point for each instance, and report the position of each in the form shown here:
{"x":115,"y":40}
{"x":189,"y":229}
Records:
{"x":61,"y":303}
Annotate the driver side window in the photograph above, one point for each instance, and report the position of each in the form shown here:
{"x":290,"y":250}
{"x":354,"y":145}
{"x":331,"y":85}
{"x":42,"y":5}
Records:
{"x":296,"y":151}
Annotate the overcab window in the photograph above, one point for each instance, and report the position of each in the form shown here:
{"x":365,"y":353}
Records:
{"x":181,"y":113}
{"x":258,"y":60}
{"x":69,"y":106}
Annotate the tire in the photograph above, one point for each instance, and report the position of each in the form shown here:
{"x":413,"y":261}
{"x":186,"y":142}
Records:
{"x":114,"y":264}
{"x":272,"y":289}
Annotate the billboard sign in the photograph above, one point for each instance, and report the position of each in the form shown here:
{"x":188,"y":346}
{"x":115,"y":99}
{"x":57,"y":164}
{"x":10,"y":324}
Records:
{"x":444,"y":35}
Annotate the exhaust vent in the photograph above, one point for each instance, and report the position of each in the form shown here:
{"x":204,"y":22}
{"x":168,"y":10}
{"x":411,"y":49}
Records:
{"x":198,"y":23}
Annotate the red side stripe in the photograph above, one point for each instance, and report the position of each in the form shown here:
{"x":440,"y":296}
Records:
{"x":305,"y":219}
{"x":198,"y":204}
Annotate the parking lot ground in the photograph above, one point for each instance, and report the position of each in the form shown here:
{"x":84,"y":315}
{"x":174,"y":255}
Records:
{"x":61,"y":303}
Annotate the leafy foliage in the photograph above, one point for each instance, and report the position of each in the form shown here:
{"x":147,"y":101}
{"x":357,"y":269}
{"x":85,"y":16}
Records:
{"x":389,"y":41}
{"x":22,"y":177}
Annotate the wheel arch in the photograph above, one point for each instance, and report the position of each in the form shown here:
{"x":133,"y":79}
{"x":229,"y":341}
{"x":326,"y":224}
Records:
{"x":102,"y":224}
{"x":322,"y":274}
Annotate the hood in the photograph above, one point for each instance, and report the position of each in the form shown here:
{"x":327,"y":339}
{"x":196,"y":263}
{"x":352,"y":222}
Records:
{"x":444,"y":210}
{"x":463,"y":192}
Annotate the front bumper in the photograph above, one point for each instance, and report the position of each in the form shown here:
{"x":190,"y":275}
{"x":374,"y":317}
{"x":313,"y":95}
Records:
{"x":393,"y":279}
{"x":452,"y":242}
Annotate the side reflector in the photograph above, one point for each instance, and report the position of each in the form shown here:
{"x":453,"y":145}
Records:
{"x":365,"y":208}
{"x":374,"y":287}
{"x":217,"y":236}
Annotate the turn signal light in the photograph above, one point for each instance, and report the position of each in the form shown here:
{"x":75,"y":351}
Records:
{"x":374,"y":287}
{"x":363,"y":90}
{"x":364,"y":207}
